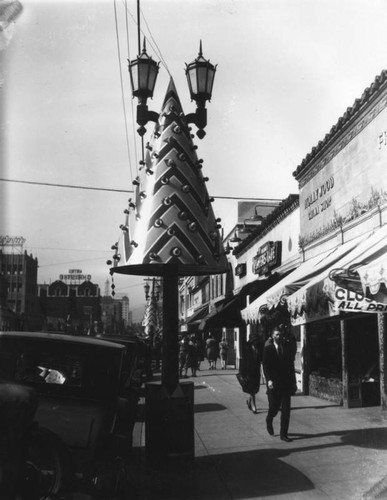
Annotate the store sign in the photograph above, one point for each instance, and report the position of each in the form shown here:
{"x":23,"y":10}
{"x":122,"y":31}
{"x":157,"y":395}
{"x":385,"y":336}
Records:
{"x":268,"y":257}
{"x":240,"y":270}
{"x":75,"y":275}
{"x":348,"y":301}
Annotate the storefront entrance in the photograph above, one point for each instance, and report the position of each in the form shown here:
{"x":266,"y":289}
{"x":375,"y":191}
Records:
{"x":363,"y":361}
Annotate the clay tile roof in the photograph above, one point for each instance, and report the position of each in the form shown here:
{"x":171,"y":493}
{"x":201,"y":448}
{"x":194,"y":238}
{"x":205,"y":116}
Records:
{"x":351,"y":111}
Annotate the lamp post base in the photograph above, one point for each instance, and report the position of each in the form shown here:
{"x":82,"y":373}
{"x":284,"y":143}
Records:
{"x":169,"y":423}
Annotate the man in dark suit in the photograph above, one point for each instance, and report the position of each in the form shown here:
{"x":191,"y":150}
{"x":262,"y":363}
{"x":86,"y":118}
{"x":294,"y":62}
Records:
{"x":278,"y":367}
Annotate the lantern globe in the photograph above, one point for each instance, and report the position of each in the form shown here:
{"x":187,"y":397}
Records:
{"x":200,"y":75}
{"x":143,"y":74}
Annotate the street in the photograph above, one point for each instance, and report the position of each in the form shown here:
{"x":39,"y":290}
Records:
{"x":335,"y":454}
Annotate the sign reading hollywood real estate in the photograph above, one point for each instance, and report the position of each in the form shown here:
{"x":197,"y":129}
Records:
{"x":346,"y":175}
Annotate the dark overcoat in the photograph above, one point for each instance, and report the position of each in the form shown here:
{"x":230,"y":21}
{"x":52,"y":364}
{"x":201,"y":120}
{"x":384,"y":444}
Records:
{"x":279,"y":368}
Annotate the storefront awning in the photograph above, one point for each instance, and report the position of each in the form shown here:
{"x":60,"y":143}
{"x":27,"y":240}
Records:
{"x":198,"y":315}
{"x":374,"y":275}
{"x":335,"y":289}
{"x":226,"y":314}
{"x":294,"y":281}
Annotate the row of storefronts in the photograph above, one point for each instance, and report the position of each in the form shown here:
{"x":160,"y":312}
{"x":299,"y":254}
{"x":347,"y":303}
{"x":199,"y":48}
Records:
{"x":317,"y":264}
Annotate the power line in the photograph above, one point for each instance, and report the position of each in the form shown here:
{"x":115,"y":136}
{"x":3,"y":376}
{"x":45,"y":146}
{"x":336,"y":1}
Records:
{"x":66,"y":249}
{"x":122,"y":90}
{"x":246,"y":198}
{"x":68,"y":186}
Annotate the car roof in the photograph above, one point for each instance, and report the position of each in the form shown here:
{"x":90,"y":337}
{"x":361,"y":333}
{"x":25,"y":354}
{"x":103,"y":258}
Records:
{"x":60,"y":337}
{"x":117,"y":339}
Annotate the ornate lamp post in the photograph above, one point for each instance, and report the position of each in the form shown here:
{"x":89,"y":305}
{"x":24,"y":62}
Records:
{"x":170,"y":231}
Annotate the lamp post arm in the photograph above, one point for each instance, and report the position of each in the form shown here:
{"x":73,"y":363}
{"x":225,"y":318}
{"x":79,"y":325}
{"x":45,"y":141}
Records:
{"x":144,"y":116}
{"x":199,"y":118}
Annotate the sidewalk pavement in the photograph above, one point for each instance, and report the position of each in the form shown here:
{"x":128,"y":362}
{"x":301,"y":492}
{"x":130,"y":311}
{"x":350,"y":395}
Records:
{"x":336,"y":453}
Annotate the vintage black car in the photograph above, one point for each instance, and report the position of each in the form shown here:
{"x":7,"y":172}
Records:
{"x":80,"y":386}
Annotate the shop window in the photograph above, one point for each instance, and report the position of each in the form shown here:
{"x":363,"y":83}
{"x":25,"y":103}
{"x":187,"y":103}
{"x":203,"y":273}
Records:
{"x":325,"y":349}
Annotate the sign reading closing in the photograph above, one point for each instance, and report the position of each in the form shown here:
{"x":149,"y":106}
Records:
{"x":268,"y":257}
{"x":348,"y":301}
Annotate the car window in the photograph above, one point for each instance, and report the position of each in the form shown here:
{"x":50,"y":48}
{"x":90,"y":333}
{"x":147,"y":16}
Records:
{"x":49,"y":368}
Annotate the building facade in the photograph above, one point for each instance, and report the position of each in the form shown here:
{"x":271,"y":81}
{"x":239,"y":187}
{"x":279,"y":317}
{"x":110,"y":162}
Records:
{"x":70,"y":304}
{"x":343,"y":199}
{"x":337,"y":295}
{"x":18,"y":286}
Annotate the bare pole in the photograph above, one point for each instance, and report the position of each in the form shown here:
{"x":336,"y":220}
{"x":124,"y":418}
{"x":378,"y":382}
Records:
{"x":138,"y":27}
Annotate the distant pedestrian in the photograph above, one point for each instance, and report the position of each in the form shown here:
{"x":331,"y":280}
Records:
{"x":212,"y":352}
{"x":183,"y":352}
{"x":192,"y":356}
{"x":251,"y":369}
{"x":223,"y":350}
{"x":201,"y":353}
{"x":278,"y":365}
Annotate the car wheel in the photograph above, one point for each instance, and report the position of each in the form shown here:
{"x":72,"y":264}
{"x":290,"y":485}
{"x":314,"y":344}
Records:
{"x":47,"y":470}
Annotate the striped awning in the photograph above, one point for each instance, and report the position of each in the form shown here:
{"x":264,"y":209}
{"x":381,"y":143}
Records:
{"x":338,"y":288}
{"x":292,"y":282}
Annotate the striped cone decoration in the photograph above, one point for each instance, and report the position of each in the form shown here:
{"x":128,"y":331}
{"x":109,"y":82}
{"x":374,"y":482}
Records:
{"x":172,"y":220}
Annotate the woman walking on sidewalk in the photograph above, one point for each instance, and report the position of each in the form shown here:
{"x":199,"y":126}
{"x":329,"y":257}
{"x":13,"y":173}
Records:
{"x":212,"y":352}
{"x":223,"y":350}
{"x":250,"y":370}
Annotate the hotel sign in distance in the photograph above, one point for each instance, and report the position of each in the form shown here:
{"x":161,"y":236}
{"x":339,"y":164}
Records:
{"x":268,"y":257}
{"x":75,"y":276}
{"x":347,"y":174}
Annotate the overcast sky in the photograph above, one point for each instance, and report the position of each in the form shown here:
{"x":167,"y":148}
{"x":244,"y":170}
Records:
{"x":287,"y":70}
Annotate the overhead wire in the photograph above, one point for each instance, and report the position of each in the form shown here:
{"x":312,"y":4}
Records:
{"x":252,"y":198}
{"x":122,"y":89}
{"x":158,"y":49}
{"x":70,"y":186}
{"x":148,"y":39}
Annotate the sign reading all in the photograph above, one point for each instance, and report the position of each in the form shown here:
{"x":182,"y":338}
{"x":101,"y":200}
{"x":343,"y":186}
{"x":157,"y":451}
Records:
{"x":348,"y":301}
{"x":268,"y":257}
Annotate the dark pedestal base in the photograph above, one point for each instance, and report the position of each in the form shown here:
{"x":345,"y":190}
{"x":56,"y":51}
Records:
{"x":169,"y":422}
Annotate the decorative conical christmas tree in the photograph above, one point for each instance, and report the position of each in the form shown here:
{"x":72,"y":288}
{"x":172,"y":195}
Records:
{"x":171,"y":220}
{"x":170,"y":228}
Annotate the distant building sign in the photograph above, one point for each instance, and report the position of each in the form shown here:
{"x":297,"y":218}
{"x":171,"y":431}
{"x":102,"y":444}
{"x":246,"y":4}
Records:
{"x":12,"y":241}
{"x":240,"y":270}
{"x":268,"y":257}
{"x":75,"y":276}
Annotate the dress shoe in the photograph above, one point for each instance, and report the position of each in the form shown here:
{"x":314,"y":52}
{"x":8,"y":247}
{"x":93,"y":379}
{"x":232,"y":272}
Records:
{"x":286,"y":439}
{"x":269,"y":427}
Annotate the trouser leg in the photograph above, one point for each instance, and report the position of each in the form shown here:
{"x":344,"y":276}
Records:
{"x":274,"y":404}
{"x":285,"y":414}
